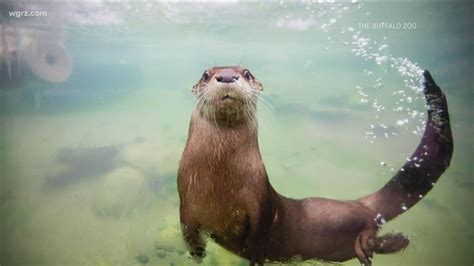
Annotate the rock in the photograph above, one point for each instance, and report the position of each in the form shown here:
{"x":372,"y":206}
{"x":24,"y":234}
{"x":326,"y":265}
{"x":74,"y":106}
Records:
{"x":161,"y":254}
{"x":143,"y":259}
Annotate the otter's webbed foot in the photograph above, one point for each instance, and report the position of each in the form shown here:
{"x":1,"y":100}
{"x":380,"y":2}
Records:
{"x":363,"y":250}
{"x":367,"y":244}
{"x":198,"y":254}
{"x":389,"y":243}
{"x":195,"y":242}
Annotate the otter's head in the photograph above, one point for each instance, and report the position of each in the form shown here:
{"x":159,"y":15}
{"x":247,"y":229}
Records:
{"x":227,"y":95}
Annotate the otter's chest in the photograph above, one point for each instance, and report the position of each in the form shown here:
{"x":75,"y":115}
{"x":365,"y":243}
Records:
{"x":218,"y":211}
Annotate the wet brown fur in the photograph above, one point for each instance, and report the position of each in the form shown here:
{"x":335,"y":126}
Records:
{"x":225,"y":191}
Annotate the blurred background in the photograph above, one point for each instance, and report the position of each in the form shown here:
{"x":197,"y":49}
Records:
{"x":95,"y":101}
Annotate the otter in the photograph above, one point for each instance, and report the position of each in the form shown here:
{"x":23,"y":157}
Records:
{"x":225,"y":193}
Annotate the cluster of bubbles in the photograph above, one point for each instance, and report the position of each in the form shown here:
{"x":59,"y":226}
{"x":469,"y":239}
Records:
{"x":324,"y":15}
{"x":409,"y":71}
{"x":405,"y":97}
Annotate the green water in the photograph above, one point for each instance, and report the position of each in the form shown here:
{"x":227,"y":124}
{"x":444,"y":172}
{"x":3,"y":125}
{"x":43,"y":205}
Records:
{"x":134,"y":74}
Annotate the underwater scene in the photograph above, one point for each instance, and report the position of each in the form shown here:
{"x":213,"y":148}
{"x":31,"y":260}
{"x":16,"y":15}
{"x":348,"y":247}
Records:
{"x":95,"y":104}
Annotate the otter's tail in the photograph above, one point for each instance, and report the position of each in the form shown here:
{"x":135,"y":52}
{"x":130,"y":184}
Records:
{"x":430,"y":159}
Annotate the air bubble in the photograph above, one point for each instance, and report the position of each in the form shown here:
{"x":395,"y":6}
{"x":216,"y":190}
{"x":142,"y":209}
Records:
{"x":382,"y":47}
{"x":380,"y":59}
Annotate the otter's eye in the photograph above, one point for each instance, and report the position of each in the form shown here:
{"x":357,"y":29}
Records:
{"x":247,"y":75}
{"x":205,"y":76}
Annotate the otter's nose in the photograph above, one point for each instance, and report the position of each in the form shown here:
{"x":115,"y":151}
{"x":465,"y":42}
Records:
{"x":227,"y":76}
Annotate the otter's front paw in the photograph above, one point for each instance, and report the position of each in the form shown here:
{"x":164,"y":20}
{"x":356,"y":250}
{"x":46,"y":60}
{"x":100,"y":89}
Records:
{"x":198,"y":254}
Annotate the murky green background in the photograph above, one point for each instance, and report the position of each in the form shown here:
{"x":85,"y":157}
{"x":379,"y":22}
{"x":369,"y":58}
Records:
{"x":88,"y":176}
